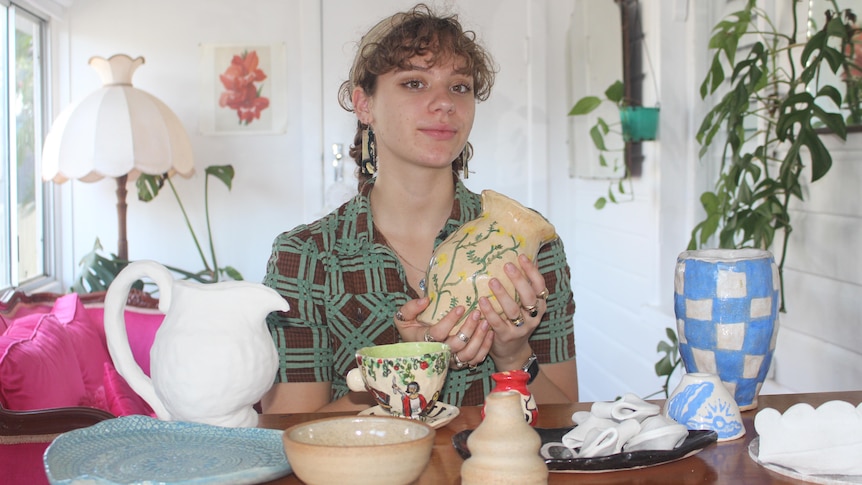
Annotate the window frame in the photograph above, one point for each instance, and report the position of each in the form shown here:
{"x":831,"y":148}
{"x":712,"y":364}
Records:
{"x":46,"y":277}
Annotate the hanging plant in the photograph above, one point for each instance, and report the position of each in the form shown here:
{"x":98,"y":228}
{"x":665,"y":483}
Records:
{"x":635,"y":124}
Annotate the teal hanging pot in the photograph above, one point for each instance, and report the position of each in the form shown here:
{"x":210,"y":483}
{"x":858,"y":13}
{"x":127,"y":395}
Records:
{"x":639,"y":123}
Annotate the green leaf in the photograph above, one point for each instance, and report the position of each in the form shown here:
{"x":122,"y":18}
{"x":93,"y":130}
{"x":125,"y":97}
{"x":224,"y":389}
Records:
{"x":585,"y":105}
{"x":597,"y":137}
{"x":615,"y":92}
{"x":232,"y":273}
{"x":671,"y":335}
{"x":224,"y":173}
{"x":821,"y":159}
{"x":664,"y":367}
{"x":149,"y":185}
{"x":97,"y":271}
{"x":815,"y":43}
{"x":600,"y":203}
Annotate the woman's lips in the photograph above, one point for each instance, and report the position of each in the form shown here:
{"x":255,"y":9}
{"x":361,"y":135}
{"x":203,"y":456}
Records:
{"x":439,"y":133}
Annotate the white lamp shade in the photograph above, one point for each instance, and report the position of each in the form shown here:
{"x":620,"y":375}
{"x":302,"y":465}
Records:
{"x":117,"y":130}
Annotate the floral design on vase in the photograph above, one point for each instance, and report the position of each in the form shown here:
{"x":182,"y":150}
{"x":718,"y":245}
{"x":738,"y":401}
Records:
{"x":469,"y":258}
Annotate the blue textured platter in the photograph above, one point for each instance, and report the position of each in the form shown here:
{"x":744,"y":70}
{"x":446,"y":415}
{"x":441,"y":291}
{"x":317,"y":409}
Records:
{"x":140,"y":449}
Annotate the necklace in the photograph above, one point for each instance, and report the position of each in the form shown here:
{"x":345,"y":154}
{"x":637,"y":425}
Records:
{"x":408,"y":263}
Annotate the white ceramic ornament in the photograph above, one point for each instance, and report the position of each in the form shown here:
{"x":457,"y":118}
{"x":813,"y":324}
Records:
{"x":212,"y":358}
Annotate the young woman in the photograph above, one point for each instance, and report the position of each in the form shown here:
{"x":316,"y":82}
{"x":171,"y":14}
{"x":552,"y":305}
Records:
{"x":355,"y":277}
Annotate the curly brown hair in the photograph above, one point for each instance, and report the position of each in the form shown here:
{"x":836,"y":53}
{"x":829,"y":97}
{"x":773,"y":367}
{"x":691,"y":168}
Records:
{"x":394,"y":41}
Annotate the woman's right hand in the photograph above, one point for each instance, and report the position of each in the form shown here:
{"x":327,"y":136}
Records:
{"x":470,"y":345}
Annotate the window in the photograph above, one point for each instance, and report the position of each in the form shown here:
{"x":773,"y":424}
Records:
{"x":22,"y":205}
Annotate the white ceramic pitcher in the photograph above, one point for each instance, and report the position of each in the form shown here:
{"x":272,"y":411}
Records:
{"x":212,"y":358}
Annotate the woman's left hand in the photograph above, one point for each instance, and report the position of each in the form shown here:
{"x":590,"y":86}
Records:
{"x":512,"y":330}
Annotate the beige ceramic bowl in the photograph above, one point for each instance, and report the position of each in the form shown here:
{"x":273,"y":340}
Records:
{"x":377,"y":450}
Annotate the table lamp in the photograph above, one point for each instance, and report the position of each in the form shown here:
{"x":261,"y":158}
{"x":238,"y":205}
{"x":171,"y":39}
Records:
{"x":118,"y":131}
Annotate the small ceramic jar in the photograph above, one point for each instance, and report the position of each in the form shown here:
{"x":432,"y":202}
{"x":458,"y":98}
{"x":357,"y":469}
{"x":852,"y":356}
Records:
{"x":701,"y":401}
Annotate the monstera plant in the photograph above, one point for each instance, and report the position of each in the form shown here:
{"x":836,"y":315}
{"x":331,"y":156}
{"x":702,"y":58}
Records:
{"x":98,"y":270}
{"x":771,"y":121}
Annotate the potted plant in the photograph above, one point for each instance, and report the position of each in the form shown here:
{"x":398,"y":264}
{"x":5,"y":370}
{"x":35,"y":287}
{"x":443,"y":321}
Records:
{"x":775,"y":105}
{"x":98,"y":271}
{"x":635,"y":124}
{"x":771,"y":122}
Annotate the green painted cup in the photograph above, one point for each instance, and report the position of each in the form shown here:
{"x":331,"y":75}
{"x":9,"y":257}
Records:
{"x":404,"y":378}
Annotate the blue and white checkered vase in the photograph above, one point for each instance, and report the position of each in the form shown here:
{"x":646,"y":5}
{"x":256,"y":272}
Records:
{"x":726,"y":305}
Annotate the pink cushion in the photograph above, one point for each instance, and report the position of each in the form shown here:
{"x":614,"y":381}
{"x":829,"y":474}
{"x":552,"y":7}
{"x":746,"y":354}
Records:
{"x":38,"y":365}
{"x":3,"y":325}
{"x":87,"y":342}
{"x":121,"y":400}
{"x":141,"y":327}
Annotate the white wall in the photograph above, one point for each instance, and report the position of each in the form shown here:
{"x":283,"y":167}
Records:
{"x":271,"y":171}
{"x":622,"y":256}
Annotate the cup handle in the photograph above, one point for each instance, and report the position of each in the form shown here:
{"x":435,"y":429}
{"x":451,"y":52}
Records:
{"x":355,"y":381}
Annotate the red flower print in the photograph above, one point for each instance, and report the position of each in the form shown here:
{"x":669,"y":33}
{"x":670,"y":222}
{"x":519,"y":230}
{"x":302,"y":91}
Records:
{"x":853,"y":52}
{"x":423,"y":365}
{"x":241,"y":93}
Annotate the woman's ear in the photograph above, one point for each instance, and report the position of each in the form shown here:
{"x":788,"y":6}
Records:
{"x":362,"y":106}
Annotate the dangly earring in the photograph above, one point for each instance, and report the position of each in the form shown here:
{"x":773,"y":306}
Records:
{"x":369,"y":152}
{"x":464,"y":168}
{"x":464,"y":157}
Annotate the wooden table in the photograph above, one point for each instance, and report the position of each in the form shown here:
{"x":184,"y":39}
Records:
{"x":725,"y":463}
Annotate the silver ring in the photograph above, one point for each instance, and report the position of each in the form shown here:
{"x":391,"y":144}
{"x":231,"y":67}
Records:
{"x":399,"y":316}
{"x":463,"y":337}
{"x":428,"y":337}
{"x":458,"y":363}
{"x":517,"y":321}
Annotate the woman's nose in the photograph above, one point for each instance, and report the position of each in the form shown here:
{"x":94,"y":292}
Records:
{"x":443,"y":101}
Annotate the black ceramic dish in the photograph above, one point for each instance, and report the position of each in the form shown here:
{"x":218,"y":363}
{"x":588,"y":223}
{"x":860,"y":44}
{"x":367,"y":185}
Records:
{"x":696,"y":441}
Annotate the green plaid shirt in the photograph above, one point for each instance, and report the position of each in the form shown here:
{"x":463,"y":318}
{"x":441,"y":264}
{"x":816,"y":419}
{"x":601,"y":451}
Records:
{"x":344,"y":286}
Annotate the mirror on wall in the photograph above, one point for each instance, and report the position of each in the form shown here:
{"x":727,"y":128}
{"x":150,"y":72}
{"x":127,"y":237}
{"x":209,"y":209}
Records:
{"x":605,"y":44}
{"x":594,"y":53}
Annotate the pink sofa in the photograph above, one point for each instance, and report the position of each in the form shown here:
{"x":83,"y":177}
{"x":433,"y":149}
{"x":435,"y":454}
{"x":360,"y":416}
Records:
{"x":56,"y":373}
{"x":53,"y":354}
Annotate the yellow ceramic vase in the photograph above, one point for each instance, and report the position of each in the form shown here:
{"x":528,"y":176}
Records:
{"x":465,"y":262}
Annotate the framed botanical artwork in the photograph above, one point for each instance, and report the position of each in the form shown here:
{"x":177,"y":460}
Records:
{"x":243,"y":89}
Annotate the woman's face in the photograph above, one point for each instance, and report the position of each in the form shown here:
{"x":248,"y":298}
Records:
{"x":421,"y":116}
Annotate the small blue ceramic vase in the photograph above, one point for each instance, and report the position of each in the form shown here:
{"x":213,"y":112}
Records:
{"x":701,"y":401}
{"x":726,"y":305}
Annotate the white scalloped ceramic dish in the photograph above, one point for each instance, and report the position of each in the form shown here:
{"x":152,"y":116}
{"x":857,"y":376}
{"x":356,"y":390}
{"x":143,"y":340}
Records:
{"x":754,"y":449}
{"x":440,"y":415}
{"x":140,"y":449}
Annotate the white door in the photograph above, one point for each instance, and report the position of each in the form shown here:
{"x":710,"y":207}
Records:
{"x":508,"y":134}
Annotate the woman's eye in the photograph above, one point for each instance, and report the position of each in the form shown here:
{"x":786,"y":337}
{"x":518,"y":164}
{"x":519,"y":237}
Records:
{"x":462,"y":88}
